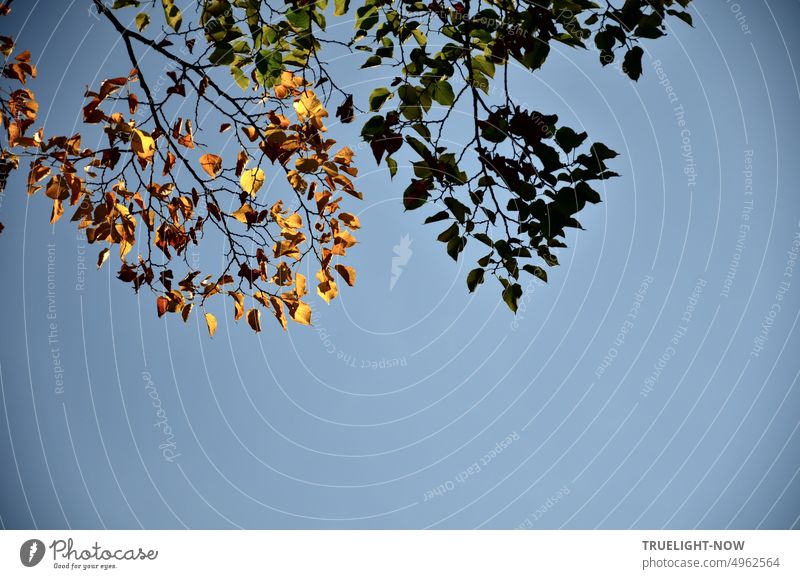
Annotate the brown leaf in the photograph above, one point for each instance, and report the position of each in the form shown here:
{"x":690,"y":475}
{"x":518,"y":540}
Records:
{"x":238,"y":304}
{"x":161,"y":305}
{"x":212,"y":164}
{"x":254,"y":319}
{"x":347,"y":273}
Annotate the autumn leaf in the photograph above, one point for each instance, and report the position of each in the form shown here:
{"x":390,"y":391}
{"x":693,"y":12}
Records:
{"x":172,"y":14}
{"x":161,"y":305}
{"x":187,"y":309}
{"x":242,"y":213}
{"x":350,"y":220}
{"x":143,"y":145}
{"x":142,"y":20}
{"x":347,"y":273}
{"x":238,"y":304}
{"x":212,"y":164}
{"x":309,"y":107}
{"x":254,"y":319}
{"x":211,"y":323}
{"x":252,"y":180}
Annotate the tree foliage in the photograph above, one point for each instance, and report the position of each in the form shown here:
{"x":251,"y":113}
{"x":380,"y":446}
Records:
{"x":514,"y":189}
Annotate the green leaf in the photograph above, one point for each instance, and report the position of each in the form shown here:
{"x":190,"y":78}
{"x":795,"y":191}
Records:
{"x":448,"y":233}
{"x":568,"y":139}
{"x":392,"y":166}
{"x":377,"y":97}
{"x":474,"y":278}
{"x":298,"y":18}
{"x":441,"y":216}
{"x":372,"y":61}
{"x":537,"y":271}
{"x":416,"y":194}
{"x":222,"y":55}
{"x":457,"y":208}
{"x":366,"y":17}
{"x":142,"y":20}
{"x":482,"y":237}
{"x":456,"y":246}
{"x":483,"y":64}
{"x":685,"y":16}
{"x":372,"y":127}
{"x":443,"y":93}
{"x":511,"y":296}
{"x":172,"y":14}
{"x":340,"y":7}
{"x":602,"y":152}
{"x":240,"y":77}
{"x":269,"y":65}
{"x":632,"y":63}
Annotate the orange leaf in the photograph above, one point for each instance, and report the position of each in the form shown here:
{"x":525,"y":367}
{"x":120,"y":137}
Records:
{"x":161,"y":305}
{"x":347,"y":272}
{"x":212,"y":164}
{"x":211,"y":323}
{"x":254,"y":319}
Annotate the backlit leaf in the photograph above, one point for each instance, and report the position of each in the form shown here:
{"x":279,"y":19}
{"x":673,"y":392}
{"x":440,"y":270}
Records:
{"x":252,"y":180}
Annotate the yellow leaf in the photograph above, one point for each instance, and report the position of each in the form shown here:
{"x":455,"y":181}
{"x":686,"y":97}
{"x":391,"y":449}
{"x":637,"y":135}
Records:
{"x":277,"y":307}
{"x":300,"y":285}
{"x":58,"y":211}
{"x":211,"y":322}
{"x":242,"y":213}
{"x":262,"y":298}
{"x":300,"y":312}
{"x":238,"y":304}
{"x":143,"y":145}
{"x":254,"y":319}
{"x":142,"y":20}
{"x":326,"y":289}
{"x":252,"y":180}
{"x":347,"y":272}
{"x":212,"y":164}
{"x":125,"y":247}
{"x":308,"y":106}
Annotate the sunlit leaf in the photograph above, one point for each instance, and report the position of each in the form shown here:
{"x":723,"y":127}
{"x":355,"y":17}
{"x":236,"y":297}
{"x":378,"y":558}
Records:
{"x":212,"y":164}
{"x":252,"y":180}
{"x":211,"y":323}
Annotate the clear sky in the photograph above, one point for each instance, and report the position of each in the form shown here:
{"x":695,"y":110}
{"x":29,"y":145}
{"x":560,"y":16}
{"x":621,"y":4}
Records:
{"x":652,"y":383}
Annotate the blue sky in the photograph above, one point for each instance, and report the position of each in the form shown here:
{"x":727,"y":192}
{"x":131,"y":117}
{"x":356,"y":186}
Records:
{"x":638,"y":388}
